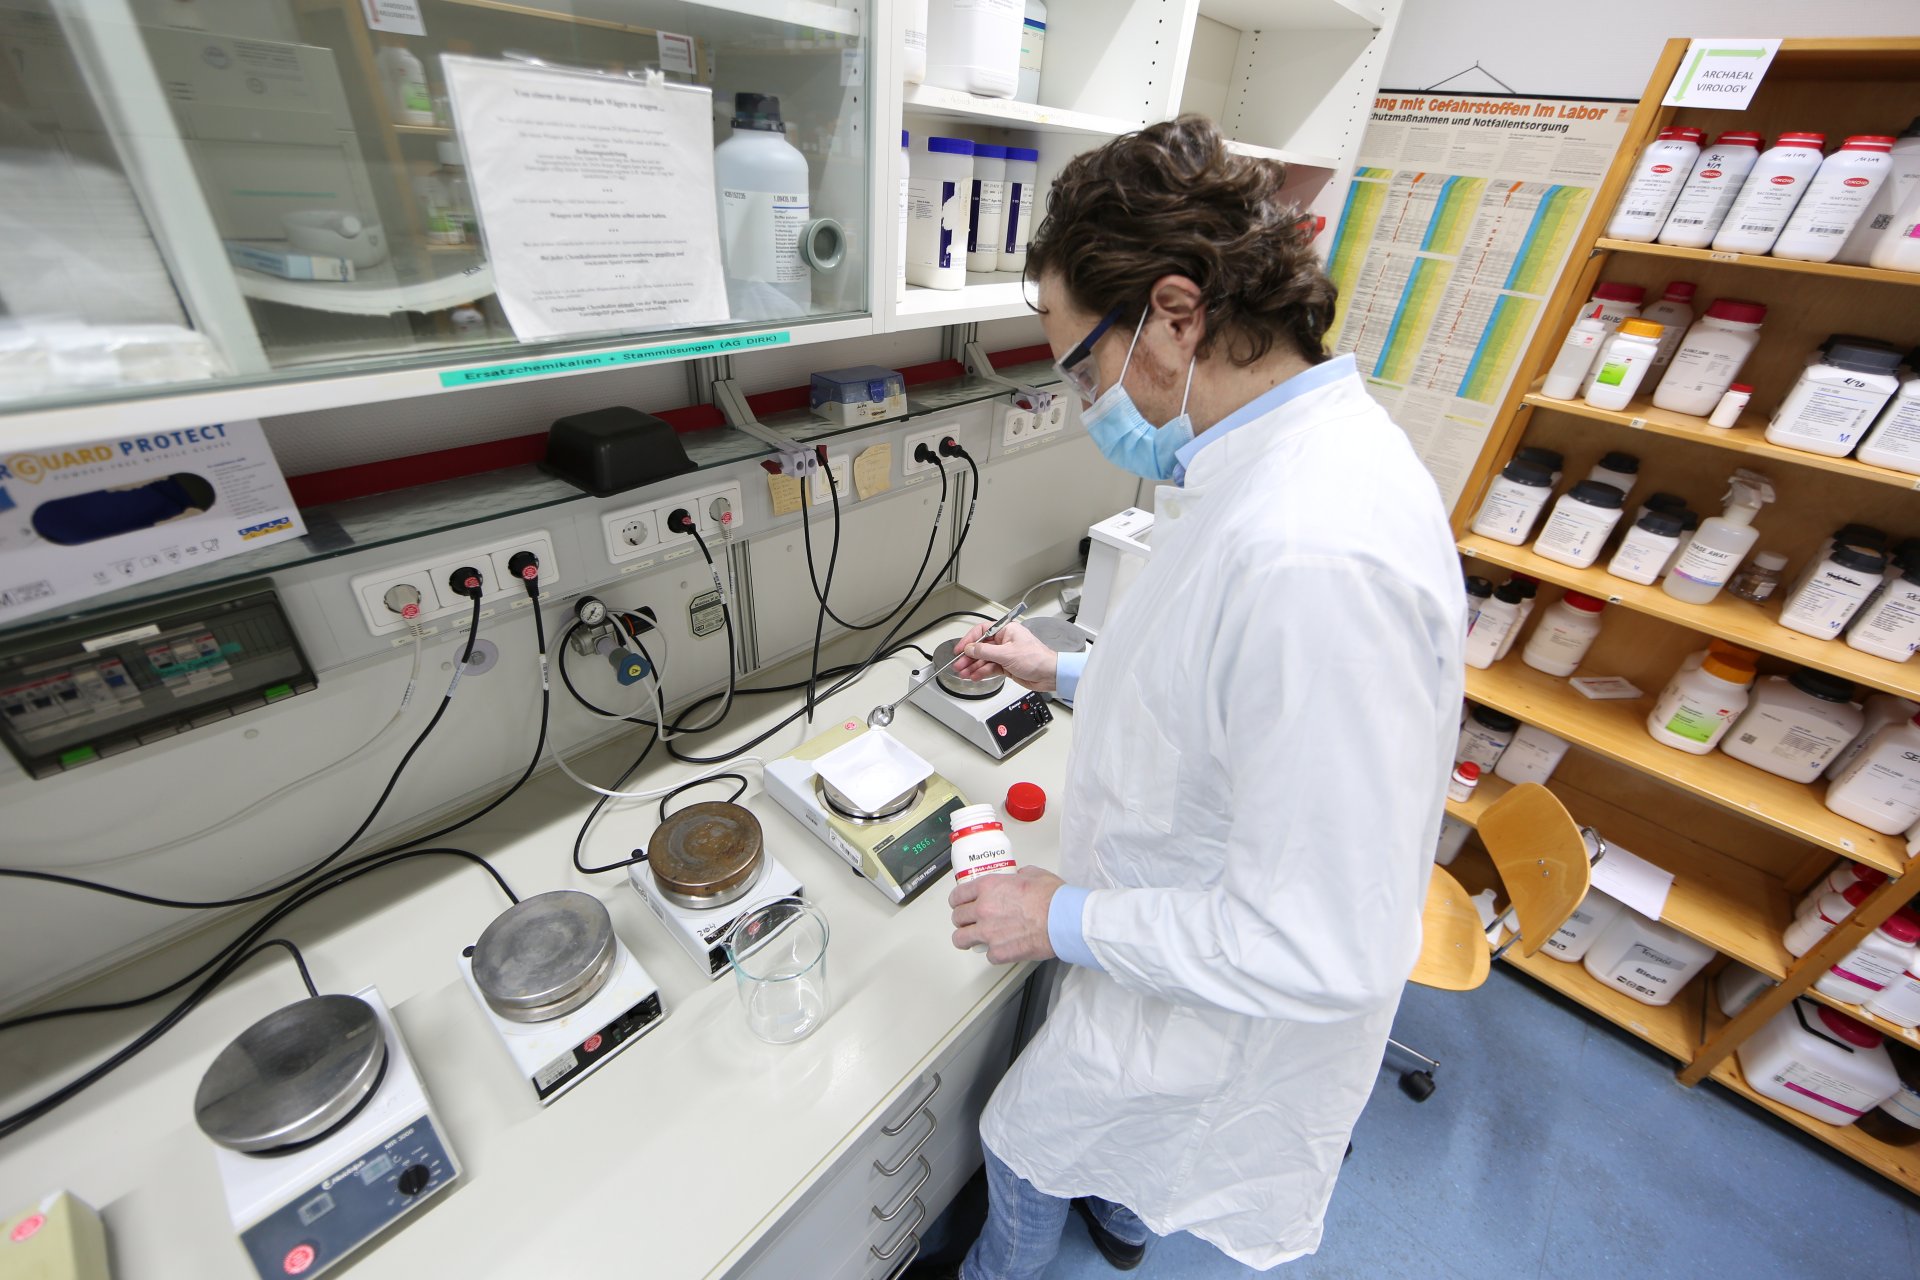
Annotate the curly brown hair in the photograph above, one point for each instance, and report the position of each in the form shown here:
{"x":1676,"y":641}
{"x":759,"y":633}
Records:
{"x":1173,"y":200}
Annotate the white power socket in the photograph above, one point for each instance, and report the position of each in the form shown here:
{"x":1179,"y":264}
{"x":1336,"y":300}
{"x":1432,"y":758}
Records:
{"x":931,"y":439}
{"x":633,"y":532}
{"x":821,"y":493}
{"x":1023,"y":426}
{"x":437,"y":598}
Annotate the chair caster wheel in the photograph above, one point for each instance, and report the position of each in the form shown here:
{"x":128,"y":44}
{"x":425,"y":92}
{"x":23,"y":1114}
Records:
{"x":1417,"y":1085}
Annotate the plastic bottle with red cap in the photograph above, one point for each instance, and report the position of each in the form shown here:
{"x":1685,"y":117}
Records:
{"x":1836,"y":199}
{"x":1820,"y":916}
{"x":1820,"y":1062}
{"x":1843,"y":875}
{"x":980,"y":844}
{"x":1658,"y":176}
{"x":1567,"y":629}
{"x":1710,"y":357}
{"x":1882,"y":956}
{"x":1767,"y":198}
{"x":1709,"y":191}
{"x":1466,"y":776}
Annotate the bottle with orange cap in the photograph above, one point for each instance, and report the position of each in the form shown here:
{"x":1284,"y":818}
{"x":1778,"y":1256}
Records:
{"x":1699,"y":705}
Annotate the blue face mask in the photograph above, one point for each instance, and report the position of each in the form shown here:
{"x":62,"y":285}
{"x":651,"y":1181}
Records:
{"x":1128,"y":440}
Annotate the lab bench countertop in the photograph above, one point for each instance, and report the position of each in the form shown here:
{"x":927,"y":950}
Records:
{"x":671,"y":1160}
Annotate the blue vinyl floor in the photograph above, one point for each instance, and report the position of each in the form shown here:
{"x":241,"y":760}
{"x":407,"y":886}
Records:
{"x":1560,"y":1146}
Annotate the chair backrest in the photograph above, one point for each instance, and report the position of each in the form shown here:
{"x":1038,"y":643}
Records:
{"x":1541,"y":856}
{"x":1453,"y":942}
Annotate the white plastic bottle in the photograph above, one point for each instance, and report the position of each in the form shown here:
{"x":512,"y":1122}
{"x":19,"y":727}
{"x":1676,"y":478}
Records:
{"x":1484,"y":734}
{"x":1532,"y":756}
{"x":1567,"y":629}
{"x":1576,"y":356}
{"x":1820,"y":1062}
{"x":1588,"y":921}
{"x":1888,"y":625}
{"x":1880,"y":790}
{"x":1894,"y":439}
{"x":974,"y":46}
{"x":913,"y":62}
{"x":764,"y":211}
{"x":1617,"y":468}
{"x":1583,"y":519}
{"x":1649,"y":961}
{"x":1479,"y":592}
{"x":1898,"y":247}
{"x":1700,"y":705}
{"x":1513,"y":503}
{"x":1826,"y":599}
{"x":1618,"y":303}
{"x":1644,"y":552}
{"x":1716,"y":549}
{"x":408,"y":99}
{"x":1887,"y":201}
{"x":1881,"y":957}
{"x":1836,"y":398}
{"x":1795,"y":725}
{"x":1623,"y":362}
{"x":1655,"y":184}
{"x":1767,"y":198}
{"x":1033,"y":51}
{"x":906,"y":201}
{"x":1023,"y":177}
{"x":1709,"y":357}
{"x":1674,"y":314}
{"x":1709,"y":191}
{"x":1499,"y":615}
{"x":987,"y":207}
{"x":980,"y":844}
{"x":1529,"y":590}
{"x":1880,"y":710}
{"x":1840,"y":878}
{"x":937,"y":219}
{"x":1825,"y":915}
{"x":1836,"y":198}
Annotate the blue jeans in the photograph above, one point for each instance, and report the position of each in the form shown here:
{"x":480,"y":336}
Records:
{"x":1024,"y":1224}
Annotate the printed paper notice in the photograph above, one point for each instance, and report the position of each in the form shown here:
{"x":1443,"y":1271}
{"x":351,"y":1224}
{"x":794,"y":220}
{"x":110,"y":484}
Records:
{"x":402,"y":17}
{"x":582,"y":185}
{"x":1462,"y":211}
{"x":1720,"y":73}
{"x":1633,"y":880}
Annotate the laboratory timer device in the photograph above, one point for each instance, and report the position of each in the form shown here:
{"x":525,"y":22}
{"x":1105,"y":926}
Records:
{"x":901,"y":847}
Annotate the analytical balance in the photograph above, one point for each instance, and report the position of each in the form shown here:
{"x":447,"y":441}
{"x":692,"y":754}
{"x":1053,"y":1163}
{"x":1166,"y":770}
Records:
{"x":996,"y":715}
{"x":324,"y":1135}
{"x":705,"y":867}
{"x":560,"y":989}
{"x":900,"y":846}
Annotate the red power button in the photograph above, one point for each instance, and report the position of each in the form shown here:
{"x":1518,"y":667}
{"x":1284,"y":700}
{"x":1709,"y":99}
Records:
{"x":593,"y":1042}
{"x":298,"y":1259}
{"x":29,"y":1227}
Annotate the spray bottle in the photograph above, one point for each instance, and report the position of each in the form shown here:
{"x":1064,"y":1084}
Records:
{"x":1722,"y":542}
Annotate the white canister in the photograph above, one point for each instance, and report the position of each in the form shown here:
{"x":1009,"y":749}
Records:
{"x":1710,"y":356}
{"x":1532,"y":756}
{"x":1033,"y":50}
{"x":1514,"y":502}
{"x":913,"y":62}
{"x":1737,"y":986}
{"x":1827,"y":599}
{"x":1819,"y":1062}
{"x":1658,"y":175}
{"x":1809,"y":927}
{"x":1795,"y":725}
{"x":1582,"y":520}
{"x":1836,"y":198}
{"x":1674,"y":314}
{"x":974,"y":46}
{"x":1529,"y":591}
{"x":1023,"y":178}
{"x":938,"y":191}
{"x":1894,"y":440}
{"x":1899,"y":1000}
{"x":1882,"y":709}
{"x":1880,"y":790}
{"x":986,"y":207}
{"x":764,"y":207}
{"x":980,"y":844}
{"x":1617,"y":468}
{"x":1499,"y":617}
{"x":1647,"y":548}
{"x":1484,"y":734}
{"x":1571,"y":941}
{"x":1889,"y":625}
{"x":1622,"y":365}
{"x":1881,"y":957}
{"x":1567,"y":629}
{"x":1644,"y":958}
{"x":1836,"y":398}
{"x":1698,"y":706}
{"x":1767,"y":198}
{"x":1709,"y":191}
{"x":906,"y":203}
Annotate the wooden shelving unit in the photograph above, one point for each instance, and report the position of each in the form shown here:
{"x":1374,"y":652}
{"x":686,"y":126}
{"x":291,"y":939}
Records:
{"x":1734,"y":880}
{"x":1902,"y":1035}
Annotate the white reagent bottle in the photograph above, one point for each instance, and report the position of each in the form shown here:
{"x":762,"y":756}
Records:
{"x":1657,"y":178}
{"x":1836,"y":198}
{"x":1836,"y":398}
{"x":1887,"y":201}
{"x":764,"y":211}
{"x":1674,"y":314}
{"x":1622,"y":365}
{"x":1894,"y":440}
{"x":1710,"y":357}
{"x":1577,"y":350}
{"x":1708,"y":194}
{"x":1721,"y":543}
{"x":1768,"y":196}
{"x":1880,"y":789}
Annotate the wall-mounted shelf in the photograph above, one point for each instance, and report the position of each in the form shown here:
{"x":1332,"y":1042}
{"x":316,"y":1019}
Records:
{"x":1909,"y":1036}
{"x":423,"y":130}
{"x":952,"y":104}
{"x":1296,"y":15}
{"x":619,"y":14}
{"x":1749,"y":437}
{"x":1831,"y":270}
{"x":1300,"y":159}
{"x":376,"y":291}
{"x":989,"y":295}
{"x":1754,"y":625}
{"x":1616,"y":729}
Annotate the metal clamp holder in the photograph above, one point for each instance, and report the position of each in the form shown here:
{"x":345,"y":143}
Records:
{"x":906,"y":1233}
{"x":894,"y":1131}
{"x":933,"y":1125}
{"x":795,"y":459}
{"x":907,"y":1196}
{"x":1038,"y":399}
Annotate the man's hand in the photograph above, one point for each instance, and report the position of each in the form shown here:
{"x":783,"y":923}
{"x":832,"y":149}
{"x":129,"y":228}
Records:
{"x":1015,"y":652}
{"x":1007,"y":913}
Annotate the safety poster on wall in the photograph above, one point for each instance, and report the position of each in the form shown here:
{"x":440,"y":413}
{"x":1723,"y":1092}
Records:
{"x":1462,"y":212}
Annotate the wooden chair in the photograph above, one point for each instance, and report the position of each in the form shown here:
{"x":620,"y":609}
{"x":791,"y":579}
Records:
{"x":1544,"y":861}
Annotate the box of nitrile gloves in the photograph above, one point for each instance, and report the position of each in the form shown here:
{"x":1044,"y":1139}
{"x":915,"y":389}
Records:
{"x":81,"y":520}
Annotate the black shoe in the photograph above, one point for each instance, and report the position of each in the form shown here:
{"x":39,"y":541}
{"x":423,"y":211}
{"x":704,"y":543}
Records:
{"x":1120,"y":1255}
{"x":932,"y":1271}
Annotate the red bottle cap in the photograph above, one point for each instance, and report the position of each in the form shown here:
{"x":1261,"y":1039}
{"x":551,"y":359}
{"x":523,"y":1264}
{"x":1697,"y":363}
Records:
{"x":1586,"y":604}
{"x":1741,"y":387}
{"x":1902,"y":926}
{"x":1620,"y":292}
{"x":1025,"y":802}
{"x":1868,"y":142}
{"x":1682,"y":290}
{"x":1868,"y":875}
{"x":1737,"y":311}
{"x":1855,"y":1033}
{"x":1467,"y":771}
{"x":1801,"y":139}
{"x":1740,"y":138}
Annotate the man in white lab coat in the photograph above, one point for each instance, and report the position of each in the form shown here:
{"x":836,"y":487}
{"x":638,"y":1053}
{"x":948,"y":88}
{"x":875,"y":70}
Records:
{"x":1261,"y":736}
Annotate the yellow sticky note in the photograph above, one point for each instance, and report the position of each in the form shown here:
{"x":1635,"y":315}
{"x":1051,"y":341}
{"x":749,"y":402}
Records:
{"x":785,"y":492}
{"x":873,"y":470}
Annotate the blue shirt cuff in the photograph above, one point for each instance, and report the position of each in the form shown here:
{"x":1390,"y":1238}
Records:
{"x":1066,"y":675}
{"x":1063,"y":926}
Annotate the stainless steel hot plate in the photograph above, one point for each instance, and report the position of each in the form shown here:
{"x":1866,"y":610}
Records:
{"x":706,"y":855}
{"x":292,"y":1076}
{"x":545,"y":956}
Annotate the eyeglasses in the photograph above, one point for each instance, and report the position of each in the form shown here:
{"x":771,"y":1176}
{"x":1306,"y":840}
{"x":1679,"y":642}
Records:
{"x":1077,"y":368}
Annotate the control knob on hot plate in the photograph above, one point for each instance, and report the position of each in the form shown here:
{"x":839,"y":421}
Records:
{"x":413,"y":1179}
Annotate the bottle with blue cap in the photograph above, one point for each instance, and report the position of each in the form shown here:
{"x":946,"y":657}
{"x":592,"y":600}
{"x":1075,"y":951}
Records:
{"x":939,"y":191}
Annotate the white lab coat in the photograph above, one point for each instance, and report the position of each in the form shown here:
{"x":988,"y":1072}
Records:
{"x":1260,"y":752}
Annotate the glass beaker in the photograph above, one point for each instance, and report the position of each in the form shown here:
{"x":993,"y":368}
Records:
{"x":779,"y":955}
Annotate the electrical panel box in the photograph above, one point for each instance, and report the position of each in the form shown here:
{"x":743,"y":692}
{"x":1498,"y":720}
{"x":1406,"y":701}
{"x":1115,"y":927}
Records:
{"x":74,"y":693}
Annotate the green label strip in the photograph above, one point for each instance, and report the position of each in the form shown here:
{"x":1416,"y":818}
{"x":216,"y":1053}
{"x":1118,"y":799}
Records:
{"x":611,"y":359}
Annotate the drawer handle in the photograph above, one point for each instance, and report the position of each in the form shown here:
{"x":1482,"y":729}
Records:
{"x":906,"y":1234}
{"x":906,"y":1197}
{"x":895,"y":1131}
{"x":905,"y":1262}
{"x":933,"y":1123}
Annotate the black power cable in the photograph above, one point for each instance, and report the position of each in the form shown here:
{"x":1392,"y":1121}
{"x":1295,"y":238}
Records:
{"x":933,"y":536}
{"x":580,"y":838}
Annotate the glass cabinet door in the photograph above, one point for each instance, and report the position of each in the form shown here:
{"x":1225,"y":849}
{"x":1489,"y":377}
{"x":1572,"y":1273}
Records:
{"x":216,"y":191}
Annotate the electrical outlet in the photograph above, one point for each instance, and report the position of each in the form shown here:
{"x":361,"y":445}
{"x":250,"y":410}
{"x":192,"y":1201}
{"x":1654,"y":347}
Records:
{"x":632,"y":532}
{"x":437,"y":597}
{"x":1055,"y":418}
{"x":1020,"y":426}
{"x":507,"y":583}
{"x":822,"y":493}
{"x":931,"y":439}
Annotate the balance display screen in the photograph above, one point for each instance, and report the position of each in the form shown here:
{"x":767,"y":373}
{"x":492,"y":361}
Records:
{"x":924,"y":843}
